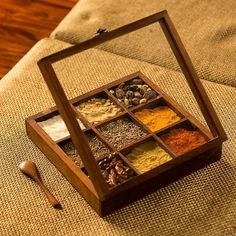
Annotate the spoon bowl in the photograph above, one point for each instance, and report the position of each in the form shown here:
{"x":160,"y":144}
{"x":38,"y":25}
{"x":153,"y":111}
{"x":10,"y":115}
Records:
{"x":29,"y":168}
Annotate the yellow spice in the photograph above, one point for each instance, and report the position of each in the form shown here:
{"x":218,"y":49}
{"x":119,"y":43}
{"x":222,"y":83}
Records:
{"x":148,"y":156}
{"x":158,"y":117}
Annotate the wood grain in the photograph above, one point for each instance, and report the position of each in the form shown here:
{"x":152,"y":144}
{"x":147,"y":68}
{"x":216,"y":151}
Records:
{"x":23,"y":23}
{"x":30,"y":169}
{"x":78,"y":138}
{"x":123,"y":194}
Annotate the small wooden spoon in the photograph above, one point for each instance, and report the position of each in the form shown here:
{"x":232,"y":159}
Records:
{"x":29,"y":168}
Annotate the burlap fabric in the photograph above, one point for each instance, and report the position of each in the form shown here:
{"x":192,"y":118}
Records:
{"x":207,"y":28}
{"x":203,"y":203}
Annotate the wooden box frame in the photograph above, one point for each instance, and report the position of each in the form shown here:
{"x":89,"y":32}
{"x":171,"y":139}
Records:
{"x":94,"y":189}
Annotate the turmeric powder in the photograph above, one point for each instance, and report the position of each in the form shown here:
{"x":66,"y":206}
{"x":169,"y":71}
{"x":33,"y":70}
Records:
{"x":157,"y":118}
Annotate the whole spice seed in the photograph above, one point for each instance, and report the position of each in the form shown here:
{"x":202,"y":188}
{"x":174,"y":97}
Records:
{"x":121,"y":86}
{"x":120,"y":93}
{"x":133,"y":92}
{"x":129,"y":94}
{"x":97,"y":146}
{"x":135,"y":101}
{"x":182,"y":140}
{"x":143,"y":100}
{"x":126,"y":101}
{"x":137,"y":95}
{"x":121,"y":132}
{"x":149,"y":94}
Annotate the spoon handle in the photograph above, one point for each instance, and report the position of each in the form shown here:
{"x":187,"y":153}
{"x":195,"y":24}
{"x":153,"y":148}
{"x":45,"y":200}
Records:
{"x":53,"y":201}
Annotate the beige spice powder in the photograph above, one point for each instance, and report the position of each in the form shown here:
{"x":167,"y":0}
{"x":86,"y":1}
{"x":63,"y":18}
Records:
{"x":96,"y":110}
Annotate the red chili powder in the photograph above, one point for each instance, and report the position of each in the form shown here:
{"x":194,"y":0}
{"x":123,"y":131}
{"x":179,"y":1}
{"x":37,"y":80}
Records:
{"x":182,"y":140}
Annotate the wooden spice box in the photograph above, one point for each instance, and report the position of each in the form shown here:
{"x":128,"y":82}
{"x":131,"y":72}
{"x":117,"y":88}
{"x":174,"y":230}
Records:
{"x":94,"y":189}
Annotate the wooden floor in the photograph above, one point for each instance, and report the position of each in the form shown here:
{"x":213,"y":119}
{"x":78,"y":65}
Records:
{"x":23,"y":23}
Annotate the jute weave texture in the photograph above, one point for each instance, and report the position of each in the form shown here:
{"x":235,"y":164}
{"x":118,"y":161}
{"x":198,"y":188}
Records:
{"x":204,"y":203}
{"x":206,"y":27}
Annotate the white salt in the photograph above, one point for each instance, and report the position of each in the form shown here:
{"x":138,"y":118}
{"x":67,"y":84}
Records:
{"x":56,"y":128}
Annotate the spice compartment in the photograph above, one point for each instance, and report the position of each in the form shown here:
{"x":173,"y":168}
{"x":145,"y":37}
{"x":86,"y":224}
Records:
{"x":53,"y":125}
{"x":183,"y":137}
{"x":158,"y":115}
{"x":97,"y":108}
{"x":99,"y":148}
{"x":147,"y":154}
{"x":122,"y":131}
{"x":115,"y":170}
{"x":133,"y":92}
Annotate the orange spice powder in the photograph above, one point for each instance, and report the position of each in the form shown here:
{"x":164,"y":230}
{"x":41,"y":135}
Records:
{"x":157,"y":118}
{"x":182,"y":140}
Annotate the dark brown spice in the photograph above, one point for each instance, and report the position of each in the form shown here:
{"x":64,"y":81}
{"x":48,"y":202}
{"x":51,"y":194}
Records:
{"x":121,"y":132}
{"x":114,"y":170}
{"x":134,"y":92}
{"x":97,"y":146}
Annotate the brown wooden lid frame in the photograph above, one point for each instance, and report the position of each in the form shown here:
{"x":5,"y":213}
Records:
{"x":68,"y":113}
